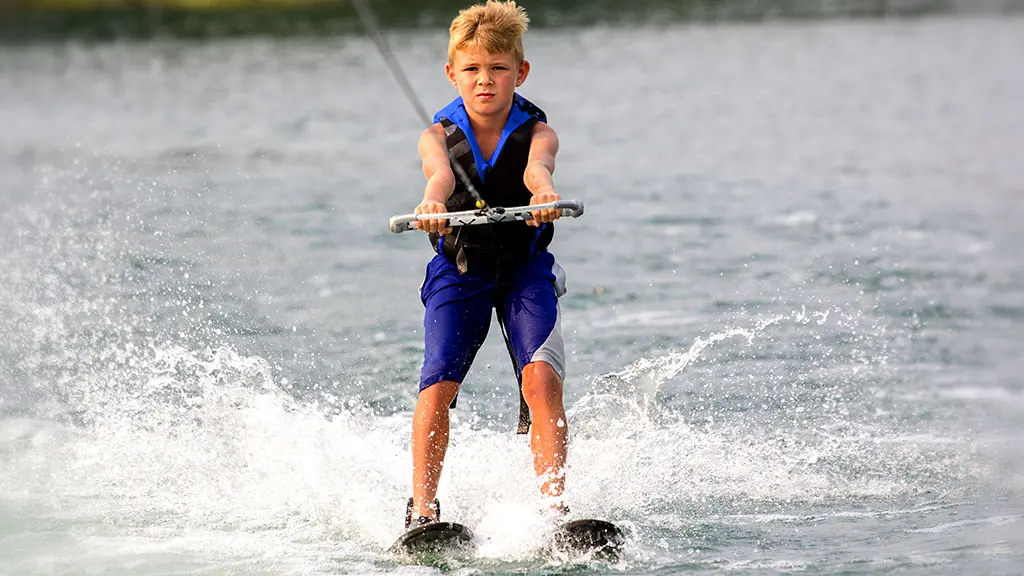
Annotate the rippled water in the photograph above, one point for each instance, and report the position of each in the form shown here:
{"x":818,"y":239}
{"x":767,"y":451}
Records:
{"x":794,"y":321}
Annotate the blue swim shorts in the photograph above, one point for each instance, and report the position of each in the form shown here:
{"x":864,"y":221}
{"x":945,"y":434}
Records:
{"x":458,"y":316}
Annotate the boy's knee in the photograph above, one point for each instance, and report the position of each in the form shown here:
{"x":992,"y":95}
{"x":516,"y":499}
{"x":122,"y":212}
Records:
{"x":541,"y":382}
{"x":439,"y":395}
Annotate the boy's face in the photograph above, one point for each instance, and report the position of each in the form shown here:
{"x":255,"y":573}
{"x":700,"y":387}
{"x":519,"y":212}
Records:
{"x":486,"y":81}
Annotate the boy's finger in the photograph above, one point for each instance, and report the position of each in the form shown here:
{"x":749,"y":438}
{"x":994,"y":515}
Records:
{"x":439,"y":225}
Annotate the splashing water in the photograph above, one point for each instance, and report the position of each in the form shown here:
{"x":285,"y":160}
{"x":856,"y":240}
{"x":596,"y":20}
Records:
{"x":182,"y":451}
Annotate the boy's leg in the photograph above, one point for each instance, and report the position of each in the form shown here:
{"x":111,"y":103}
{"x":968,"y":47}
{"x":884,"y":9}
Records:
{"x":531,"y":317}
{"x":542,"y":390}
{"x":455,"y":323}
{"x":429,"y":444}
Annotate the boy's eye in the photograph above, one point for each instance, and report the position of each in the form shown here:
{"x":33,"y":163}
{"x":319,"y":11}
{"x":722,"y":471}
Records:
{"x":470,"y":68}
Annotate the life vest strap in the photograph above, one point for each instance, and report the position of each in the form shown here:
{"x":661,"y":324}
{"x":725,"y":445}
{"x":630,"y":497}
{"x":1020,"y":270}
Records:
{"x":524,"y":410}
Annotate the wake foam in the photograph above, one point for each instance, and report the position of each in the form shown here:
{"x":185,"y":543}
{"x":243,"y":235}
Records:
{"x":191,"y":449}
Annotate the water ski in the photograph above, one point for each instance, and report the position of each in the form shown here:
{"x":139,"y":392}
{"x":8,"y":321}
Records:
{"x":433,"y":538}
{"x":598,"y":538}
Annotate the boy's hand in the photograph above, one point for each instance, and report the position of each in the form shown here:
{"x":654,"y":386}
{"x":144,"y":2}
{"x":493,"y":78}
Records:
{"x":548,"y":214}
{"x":428,"y":226}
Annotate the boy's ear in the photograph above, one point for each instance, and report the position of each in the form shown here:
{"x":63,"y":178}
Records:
{"x":450,"y":72}
{"x":524,"y":71}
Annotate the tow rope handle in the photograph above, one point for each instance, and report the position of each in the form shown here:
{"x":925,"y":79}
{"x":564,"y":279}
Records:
{"x":407,"y":222}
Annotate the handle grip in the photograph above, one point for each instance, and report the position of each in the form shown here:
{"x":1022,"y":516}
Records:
{"x":406,"y":222}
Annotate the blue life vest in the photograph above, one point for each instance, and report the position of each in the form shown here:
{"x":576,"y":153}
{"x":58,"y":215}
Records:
{"x":499,"y":180}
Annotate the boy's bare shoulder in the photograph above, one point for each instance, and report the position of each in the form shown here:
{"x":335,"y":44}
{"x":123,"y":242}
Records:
{"x":434,"y":130}
{"x":544,"y":138}
{"x":543,"y":129}
{"x":432,"y":139}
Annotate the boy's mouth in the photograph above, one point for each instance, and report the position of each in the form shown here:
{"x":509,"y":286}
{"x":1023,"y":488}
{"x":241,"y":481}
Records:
{"x":485,"y":95}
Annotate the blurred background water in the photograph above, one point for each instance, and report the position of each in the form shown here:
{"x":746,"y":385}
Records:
{"x":794,"y":319}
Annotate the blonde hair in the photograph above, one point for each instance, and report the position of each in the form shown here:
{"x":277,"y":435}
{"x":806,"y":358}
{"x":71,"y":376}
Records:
{"x":496,"y":26}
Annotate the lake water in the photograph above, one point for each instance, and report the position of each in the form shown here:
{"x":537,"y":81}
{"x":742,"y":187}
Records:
{"x":794,"y":322}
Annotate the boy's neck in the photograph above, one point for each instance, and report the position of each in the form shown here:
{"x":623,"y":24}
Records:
{"x":490,"y":124}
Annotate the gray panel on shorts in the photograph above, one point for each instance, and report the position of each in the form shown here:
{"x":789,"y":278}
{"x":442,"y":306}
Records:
{"x":552,"y":350}
{"x":559,"y":273}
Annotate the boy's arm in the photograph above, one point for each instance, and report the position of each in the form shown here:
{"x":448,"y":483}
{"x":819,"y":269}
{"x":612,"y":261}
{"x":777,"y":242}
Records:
{"x":539,"y":168}
{"x":440,"y":179}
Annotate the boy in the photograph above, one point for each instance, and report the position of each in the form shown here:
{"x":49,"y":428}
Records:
{"x":505,"y":146}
